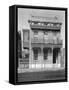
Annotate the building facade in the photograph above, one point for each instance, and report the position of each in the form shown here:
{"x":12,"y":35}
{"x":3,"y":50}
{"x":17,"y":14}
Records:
{"x":41,"y":45}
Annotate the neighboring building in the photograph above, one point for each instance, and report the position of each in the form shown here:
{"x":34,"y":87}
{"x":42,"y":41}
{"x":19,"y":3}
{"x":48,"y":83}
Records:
{"x":42,"y":44}
{"x":19,"y":45}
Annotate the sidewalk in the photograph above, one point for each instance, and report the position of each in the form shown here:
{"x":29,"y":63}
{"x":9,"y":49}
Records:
{"x":39,"y":69}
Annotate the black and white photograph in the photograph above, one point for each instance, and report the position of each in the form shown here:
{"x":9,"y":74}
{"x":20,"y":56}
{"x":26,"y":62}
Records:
{"x":34,"y":45}
{"x":41,"y":44}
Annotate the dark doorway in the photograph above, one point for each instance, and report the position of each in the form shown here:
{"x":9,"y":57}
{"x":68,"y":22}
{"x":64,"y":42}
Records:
{"x":55,"y":54}
{"x":46,"y":52}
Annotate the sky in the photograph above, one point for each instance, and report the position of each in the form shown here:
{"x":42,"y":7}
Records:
{"x":24,"y":15}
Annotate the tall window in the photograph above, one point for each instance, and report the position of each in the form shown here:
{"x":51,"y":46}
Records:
{"x":26,"y":35}
{"x":36,"y":36}
{"x":45,"y":54}
{"x":46,"y":36}
{"x":35,"y":54}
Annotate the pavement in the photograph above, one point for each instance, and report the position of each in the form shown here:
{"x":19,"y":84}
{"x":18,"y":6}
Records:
{"x":42,"y":75}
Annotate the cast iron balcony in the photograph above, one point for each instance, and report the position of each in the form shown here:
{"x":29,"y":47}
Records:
{"x":41,"y":26}
{"x":46,"y":41}
{"x":36,"y":40}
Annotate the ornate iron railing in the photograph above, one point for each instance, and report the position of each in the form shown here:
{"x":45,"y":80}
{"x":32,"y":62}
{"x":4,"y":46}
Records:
{"x":46,"y":41}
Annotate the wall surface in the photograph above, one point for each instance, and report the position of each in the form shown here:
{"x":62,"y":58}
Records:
{"x":4,"y":44}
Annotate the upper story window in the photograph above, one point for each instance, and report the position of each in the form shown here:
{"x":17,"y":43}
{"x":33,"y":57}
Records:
{"x":54,"y":33}
{"x":58,"y":25}
{"x":45,"y":33}
{"x":51,"y":24}
{"x":35,"y":32}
